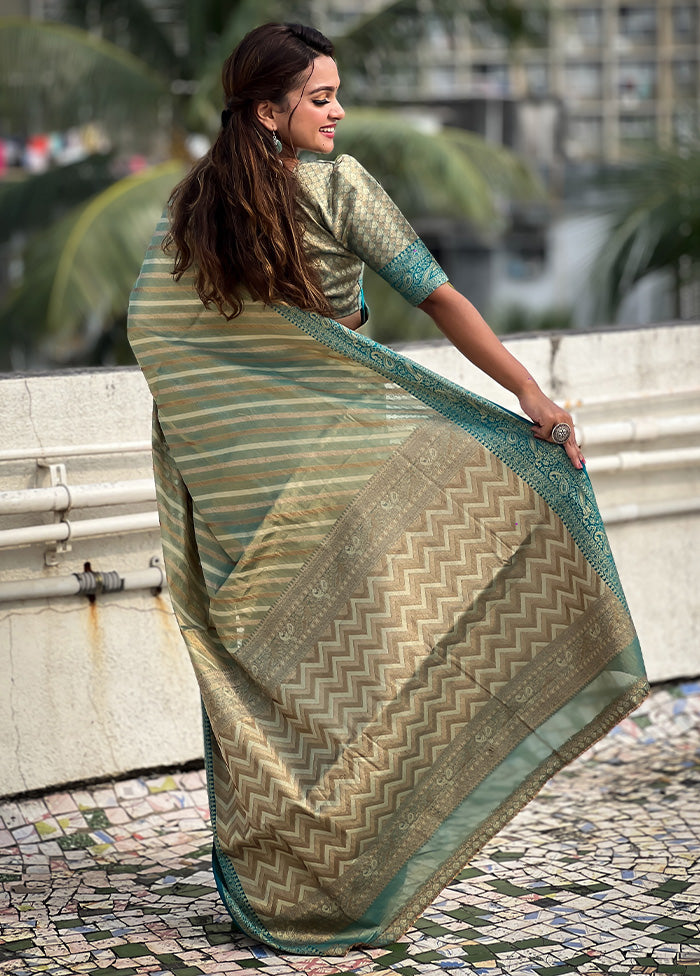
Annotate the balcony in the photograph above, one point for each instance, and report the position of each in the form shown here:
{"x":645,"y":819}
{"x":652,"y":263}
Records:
{"x":113,"y":871}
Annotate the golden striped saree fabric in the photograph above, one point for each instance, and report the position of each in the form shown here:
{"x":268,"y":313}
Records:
{"x":401,"y":608}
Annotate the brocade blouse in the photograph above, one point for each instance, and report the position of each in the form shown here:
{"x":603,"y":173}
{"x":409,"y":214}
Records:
{"x":351,"y":221}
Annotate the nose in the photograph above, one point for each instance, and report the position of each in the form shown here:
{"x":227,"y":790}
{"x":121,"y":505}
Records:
{"x":337,"y":111}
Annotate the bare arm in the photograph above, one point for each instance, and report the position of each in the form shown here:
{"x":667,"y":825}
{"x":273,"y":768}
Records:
{"x":462,"y":324}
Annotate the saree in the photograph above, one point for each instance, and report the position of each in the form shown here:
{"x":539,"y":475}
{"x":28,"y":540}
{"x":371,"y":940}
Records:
{"x":401,"y":608}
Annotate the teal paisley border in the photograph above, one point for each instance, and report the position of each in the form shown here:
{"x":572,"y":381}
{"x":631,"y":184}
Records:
{"x":544,"y":466}
{"x":414,"y":273}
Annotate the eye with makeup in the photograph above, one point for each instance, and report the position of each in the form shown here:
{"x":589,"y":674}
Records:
{"x":320,"y":101}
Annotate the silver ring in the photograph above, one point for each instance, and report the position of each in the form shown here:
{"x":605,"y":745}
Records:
{"x":561,"y":433}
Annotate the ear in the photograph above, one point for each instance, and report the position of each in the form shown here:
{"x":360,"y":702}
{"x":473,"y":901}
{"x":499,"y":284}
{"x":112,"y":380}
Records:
{"x":265,"y":113}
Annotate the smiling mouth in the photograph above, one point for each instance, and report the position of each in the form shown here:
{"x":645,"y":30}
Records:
{"x":328,"y":131}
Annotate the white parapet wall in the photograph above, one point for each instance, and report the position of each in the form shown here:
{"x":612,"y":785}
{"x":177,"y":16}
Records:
{"x":92,"y":688}
{"x":100,"y":685}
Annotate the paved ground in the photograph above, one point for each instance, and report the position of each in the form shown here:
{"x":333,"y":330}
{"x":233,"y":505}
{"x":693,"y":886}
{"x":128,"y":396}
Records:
{"x":599,"y":875}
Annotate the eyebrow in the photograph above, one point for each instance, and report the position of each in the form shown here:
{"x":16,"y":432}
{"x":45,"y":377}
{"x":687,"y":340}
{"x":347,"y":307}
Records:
{"x":322,"y":88}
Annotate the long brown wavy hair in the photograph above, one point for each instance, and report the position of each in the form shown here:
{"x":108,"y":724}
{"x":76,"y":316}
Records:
{"x":233,"y":218}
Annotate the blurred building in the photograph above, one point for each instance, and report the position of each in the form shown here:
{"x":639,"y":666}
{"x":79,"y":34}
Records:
{"x":596,"y":82}
{"x":627,"y":72}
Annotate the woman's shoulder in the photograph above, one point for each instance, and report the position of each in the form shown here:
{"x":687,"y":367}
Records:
{"x":333,"y":184}
{"x":326,"y":171}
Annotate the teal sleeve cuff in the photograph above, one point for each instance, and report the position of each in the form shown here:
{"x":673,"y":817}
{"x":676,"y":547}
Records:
{"x":414,"y":273}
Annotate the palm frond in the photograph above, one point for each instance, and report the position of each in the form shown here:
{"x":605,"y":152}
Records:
{"x":33,"y":202}
{"x":57,"y":76}
{"x":130,"y":25}
{"x":78,"y":275}
{"x":655,"y":226}
{"x":445,"y":172}
{"x":506,"y":172}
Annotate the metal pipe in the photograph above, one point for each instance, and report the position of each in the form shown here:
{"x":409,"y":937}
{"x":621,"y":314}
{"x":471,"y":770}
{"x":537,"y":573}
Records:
{"x":59,"y":498}
{"x":633,"y":512}
{"x":82,"y":529}
{"x":640,"y":429}
{"x":633,"y":397}
{"x":77,"y":583}
{"x":75,"y":450}
{"x":638,"y":460}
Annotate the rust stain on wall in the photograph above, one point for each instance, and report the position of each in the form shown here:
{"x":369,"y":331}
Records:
{"x":94,"y":633}
{"x":167,"y":623}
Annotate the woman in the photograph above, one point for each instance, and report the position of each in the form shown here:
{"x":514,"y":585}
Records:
{"x":400,"y":605}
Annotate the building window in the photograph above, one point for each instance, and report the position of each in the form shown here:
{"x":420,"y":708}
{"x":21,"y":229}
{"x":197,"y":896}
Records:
{"x":685,"y":125}
{"x":585,"y":137}
{"x":440,"y":38}
{"x":537,"y":79}
{"x":636,"y":25}
{"x":490,"y":79}
{"x":484,"y":35}
{"x":685,"y":23}
{"x":584,"y":28}
{"x":583,"y":80}
{"x":442,"y":79}
{"x":636,"y":82}
{"x":637,"y":129}
{"x":685,"y":77}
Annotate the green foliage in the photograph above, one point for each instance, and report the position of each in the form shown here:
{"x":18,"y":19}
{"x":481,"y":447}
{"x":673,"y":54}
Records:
{"x":518,"y":318}
{"x":31,"y":203}
{"x":446,"y":172}
{"x":655,"y":226}
{"x":130,"y":25}
{"x":57,"y":77}
{"x":83,"y":268}
{"x":517,"y":22}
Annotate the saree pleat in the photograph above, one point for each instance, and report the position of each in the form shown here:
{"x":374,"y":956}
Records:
{"x":402,"y":610}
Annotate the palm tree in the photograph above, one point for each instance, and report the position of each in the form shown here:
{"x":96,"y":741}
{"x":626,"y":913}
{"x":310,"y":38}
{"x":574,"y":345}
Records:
{"x":80,"y":229}
{"x":655,"y":227}
{"x":87,"y":242}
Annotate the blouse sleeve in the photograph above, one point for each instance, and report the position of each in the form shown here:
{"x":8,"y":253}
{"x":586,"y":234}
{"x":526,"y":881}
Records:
{"x":370,"y":225}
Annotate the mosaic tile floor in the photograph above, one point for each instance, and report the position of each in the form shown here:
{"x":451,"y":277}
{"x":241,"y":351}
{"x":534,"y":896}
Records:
{"x":599,"y":875}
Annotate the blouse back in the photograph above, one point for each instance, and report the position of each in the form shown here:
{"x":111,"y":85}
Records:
{"x":350,"y":221}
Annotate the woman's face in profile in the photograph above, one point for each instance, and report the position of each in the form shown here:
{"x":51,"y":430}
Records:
{"x":313,"y":109}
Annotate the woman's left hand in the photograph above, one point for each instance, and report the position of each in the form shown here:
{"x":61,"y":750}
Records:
{"x":545,"y":415}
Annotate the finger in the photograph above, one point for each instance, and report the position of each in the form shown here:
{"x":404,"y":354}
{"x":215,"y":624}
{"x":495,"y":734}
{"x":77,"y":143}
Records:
{"x":574,"y":453}
{"x":571,"y":447}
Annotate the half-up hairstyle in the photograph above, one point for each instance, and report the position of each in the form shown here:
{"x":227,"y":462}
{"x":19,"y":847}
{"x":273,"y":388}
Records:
{"x":233,"y":219}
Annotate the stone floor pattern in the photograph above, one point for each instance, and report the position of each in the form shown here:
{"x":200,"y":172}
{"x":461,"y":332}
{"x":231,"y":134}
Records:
{"x":600,"y":874}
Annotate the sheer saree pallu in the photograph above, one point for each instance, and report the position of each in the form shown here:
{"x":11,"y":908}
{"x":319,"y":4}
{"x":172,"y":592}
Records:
{"x":401,"y":608}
